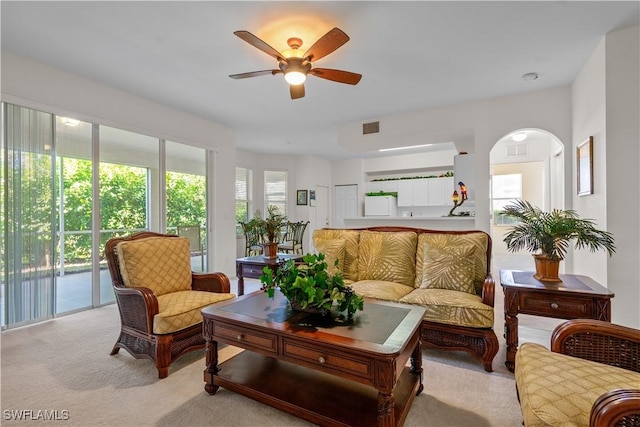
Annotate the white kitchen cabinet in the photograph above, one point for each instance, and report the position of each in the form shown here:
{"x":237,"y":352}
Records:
{"x":440,"y":190}
{"x":421,"y":191}
{"x":425,"y":192}
{"x":405,"y":193}
{"x":380,"y":206}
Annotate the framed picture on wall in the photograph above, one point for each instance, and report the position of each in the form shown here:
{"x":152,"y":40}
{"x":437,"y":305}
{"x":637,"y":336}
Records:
{"x":312,"y":197}
{"x":301,"y":197}
{"x":584,"y":156}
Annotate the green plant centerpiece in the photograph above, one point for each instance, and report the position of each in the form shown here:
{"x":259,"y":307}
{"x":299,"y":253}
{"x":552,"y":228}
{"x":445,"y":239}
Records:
{"x":310,"y":287}
{"x":268,"y":228}
{"x":548,"y":236}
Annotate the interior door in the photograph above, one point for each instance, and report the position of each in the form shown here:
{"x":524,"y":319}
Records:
{"x":322,"y":214}
{"x":346,"y":203}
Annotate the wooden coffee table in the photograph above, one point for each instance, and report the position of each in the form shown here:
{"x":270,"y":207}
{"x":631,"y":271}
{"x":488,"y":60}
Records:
{"x":252,"y":267}
{"x":355,"y":373}
{"x":575,"y":297}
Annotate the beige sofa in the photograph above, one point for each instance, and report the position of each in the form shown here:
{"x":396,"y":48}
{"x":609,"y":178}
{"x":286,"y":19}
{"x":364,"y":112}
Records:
{"x":591,"y":377}
{"x":448,"y":272}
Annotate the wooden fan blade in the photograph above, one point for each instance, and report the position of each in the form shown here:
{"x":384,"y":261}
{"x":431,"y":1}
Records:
{"x":326,"y":44}
{"x":337,"y":75}
{"x":297,"y":91}
{"x":258,"y":43}
{"x":255,"y":74}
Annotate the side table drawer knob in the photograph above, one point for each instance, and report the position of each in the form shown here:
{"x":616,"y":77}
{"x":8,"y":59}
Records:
{"x":321,"y":359}
{"x":554,"y":305}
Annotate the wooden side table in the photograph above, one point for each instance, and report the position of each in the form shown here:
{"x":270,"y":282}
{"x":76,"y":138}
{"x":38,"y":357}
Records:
{"x":576,"y":297}
{"x":252,"y":267}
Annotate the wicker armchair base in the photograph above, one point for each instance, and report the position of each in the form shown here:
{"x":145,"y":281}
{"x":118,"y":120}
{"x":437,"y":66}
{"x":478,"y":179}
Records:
{"x":481,"y":343}
{"x":162,"y":349}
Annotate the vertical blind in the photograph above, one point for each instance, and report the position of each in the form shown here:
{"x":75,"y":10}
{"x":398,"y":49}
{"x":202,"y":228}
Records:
{"x":29,"y":214}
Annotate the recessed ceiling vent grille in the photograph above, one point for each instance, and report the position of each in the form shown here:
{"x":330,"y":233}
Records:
{"x":373,"y":127}
{"x":517,"y":150}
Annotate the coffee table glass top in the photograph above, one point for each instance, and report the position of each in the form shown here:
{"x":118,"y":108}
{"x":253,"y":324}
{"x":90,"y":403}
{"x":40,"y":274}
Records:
{"x":384,"y":324}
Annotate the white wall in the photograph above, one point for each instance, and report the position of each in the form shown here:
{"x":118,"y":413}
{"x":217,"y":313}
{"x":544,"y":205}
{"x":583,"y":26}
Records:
{"x":623,"y":171}
{"x":605,"y":98}
{"x":588,"y":118}
{"x":49,"y":89}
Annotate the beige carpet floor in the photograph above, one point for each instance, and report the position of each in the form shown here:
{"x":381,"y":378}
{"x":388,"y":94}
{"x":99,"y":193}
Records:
{"x":64,"y":365}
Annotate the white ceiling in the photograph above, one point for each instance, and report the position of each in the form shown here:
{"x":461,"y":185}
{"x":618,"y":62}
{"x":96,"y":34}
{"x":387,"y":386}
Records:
{"x":412,"y":55}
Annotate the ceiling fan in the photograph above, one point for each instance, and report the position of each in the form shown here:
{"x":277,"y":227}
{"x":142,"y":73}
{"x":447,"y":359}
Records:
{"x":296,"y":65}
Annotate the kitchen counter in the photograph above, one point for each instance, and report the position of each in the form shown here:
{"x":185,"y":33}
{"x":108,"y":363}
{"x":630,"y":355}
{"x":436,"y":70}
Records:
{"x":434,"y":223}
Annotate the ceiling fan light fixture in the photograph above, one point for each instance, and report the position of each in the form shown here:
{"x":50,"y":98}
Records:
{"x":295,"y":65}
{"x":295,"y":77}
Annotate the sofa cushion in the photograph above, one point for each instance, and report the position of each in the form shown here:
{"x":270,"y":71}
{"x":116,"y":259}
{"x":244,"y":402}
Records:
{"x":559,"y":390}
{"x":389,"y":257}
{"x":333,"y":249}
{"x":162,"y":264}
{"x":450,"y":268}
{"x":379,"y":289}
{"x":452,"y":307}
{"x":479,"y":240}
{"x":352,"y":238}
{"x":179,"y":310}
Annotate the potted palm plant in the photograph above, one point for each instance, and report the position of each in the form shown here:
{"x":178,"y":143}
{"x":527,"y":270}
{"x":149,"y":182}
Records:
{"x":269,"y":228}
{"x":549,"y":234}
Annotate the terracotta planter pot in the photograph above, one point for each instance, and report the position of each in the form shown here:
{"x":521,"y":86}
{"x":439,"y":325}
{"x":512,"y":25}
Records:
{"x":270,"y":250}
{"x":546,"y":269}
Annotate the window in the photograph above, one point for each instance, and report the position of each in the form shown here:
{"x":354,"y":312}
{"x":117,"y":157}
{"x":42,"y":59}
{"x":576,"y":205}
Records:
{"x":275,"y":190}
{"x":243,"y":177}
{"x":505,"y":189}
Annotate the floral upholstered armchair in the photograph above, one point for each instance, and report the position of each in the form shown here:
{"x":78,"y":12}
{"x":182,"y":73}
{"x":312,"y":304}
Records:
{"x":159,"y":298}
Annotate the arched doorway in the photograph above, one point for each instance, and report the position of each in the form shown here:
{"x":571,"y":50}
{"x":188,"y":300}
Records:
{"x":524,"y":164}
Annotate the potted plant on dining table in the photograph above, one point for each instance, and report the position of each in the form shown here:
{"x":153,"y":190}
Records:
{"x":269,"y":228}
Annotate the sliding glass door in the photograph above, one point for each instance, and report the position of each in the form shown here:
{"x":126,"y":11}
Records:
{"x":129,"y":190}
{"x":186,"y":198}
{"x":73,"y":285}
{"x":66,"y":187}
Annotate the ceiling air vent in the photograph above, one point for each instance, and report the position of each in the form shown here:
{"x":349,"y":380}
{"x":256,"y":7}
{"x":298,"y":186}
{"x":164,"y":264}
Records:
{"x":517,"y":150}
{"x":373,"y":127}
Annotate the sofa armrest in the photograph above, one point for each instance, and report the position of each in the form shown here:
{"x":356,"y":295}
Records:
{"x":210,"y":282}
{"x":137,"y":307}
{"x":489,"y":291}
{"x":598,"y":341}
{"x":616,"y":408}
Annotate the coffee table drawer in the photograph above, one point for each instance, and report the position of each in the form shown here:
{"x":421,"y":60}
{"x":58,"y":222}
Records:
{"x":555,"y":306}
{"x":252,"y":271}
{"x":321,"y":358}
{"x":244,"y":338}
